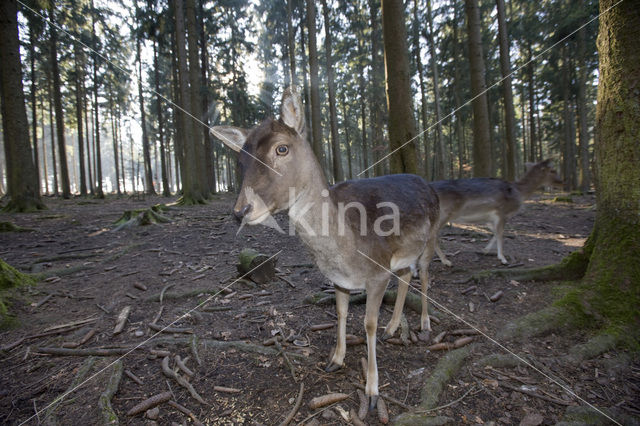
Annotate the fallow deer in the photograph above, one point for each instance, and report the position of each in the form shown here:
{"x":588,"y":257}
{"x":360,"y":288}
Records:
{"x":336,"y":223}
{"x":489,"y":201}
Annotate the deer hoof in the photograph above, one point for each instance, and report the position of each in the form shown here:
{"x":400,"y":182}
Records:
{"x":424,"y":336}
{"x":386,"y":337}
{"x":373,"y":402}
{"x":332,"y":367}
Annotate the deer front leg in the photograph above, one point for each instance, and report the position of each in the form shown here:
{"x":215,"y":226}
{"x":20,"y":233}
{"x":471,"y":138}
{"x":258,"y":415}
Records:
{"x":375,"y":292}
{"x":394,"y":322}
{"x":499,"y":234}
{"x":342,"y":308}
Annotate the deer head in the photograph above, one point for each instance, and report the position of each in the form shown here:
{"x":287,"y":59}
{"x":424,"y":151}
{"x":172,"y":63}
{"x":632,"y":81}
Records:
{"x":274,"y":156}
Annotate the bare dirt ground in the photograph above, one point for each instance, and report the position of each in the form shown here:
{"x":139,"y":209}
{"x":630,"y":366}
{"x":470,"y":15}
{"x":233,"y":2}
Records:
{"x":196,"y":253}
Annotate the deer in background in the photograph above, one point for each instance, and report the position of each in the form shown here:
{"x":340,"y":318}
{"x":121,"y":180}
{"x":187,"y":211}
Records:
{"x":281,"y":172}
{"x":489,"y":201}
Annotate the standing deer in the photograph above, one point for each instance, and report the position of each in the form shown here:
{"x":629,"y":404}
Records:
{"x":281,"y":172}
{"x":489,"y":201}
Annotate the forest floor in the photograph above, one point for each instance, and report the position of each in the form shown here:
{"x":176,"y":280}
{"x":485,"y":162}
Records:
{"x":95,"y":272}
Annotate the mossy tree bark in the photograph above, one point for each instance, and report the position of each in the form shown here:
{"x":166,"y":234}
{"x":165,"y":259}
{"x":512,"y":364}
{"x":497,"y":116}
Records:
{"x":613,"y":273}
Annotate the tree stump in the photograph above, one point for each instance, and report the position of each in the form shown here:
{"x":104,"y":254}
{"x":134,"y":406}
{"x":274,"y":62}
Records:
{"x":258,"y":267}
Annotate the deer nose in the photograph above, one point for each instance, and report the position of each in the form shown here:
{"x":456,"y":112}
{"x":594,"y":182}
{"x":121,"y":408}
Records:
{"x":242,"y":212}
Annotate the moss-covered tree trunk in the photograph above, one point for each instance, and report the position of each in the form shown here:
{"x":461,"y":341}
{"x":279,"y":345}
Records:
{"x":613,"y":273}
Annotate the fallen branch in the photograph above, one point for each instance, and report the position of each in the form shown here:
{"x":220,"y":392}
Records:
{"x":109,"y":416}
{"x":133,"y":377}
{"x":149,"y":403}
{"x":181,"y":365}
{"x":181,"y":381}
{"x":226,"y":389}
{"x":222,"y":345}
{"x":190,"y":293}
{"x":295,"y":408}
{"x":82,"y":341}
{"x":186,"y":411}
{"x":36,"y":336}
{"x":454,"y":402}
{"x":122,"y":320}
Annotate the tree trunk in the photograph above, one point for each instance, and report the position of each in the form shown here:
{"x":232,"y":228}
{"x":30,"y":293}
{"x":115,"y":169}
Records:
{"x":163,"y":156}
{"x":195,"y":85}
{"x":305,"y":80}
{"x":291,"y":44}
{"x":77,"y":52}
{"x":57,"y":100}
{"x":462,"y":158}
{"x":44,"y":150}
{"x":114,"y":141}
{"x":507,"y":92}
{"x":615,"y":241}
{"x":583,"y":133}
{"x":441,"y":156}
{"x":338,"y":173}
{"x":34,"y":121}
{"x":533,"y":139}
{"x":569,"y":166}
{"x":402,"y":128}
{"x":87,"y":136}
{"x":376,"y":90}
{"x":423,"y":92}
{"x":347,"y":141}
{"x":96,"y":127}
{"x":22,"y":183}
{"x":316,"y":118}
{"x":52,"y":130}
{"x":209,"y":169}
{"x":191,"y":190}
{"x":481,"y":137}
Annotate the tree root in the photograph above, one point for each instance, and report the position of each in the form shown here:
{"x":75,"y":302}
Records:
{"x":10,"y":278}
{"x":109,"y":416}
{"x":572,"y":267}
{"x":190,"y":293}
{"x":447,"y":367}
{"x":142,"y":217}
{"x":412,"y":300}
{"x":295,"y":408}
{"x":10,"y":227}
{"x":85,"y":352}
{"x":186,"y":411}
{"x":83,"y":371}
{"x":537,"y":323}
{"x":222,"y":345}
{"x":180,"y":380}
{"x":592,"y":348}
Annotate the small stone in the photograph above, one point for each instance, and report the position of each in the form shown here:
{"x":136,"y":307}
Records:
{"x":153,"y":413}
{"x":138,"y":333}
{"x":532,"y":419}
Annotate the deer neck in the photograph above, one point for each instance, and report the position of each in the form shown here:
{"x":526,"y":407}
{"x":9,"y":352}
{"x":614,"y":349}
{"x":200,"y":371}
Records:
{"x":529,"y":183}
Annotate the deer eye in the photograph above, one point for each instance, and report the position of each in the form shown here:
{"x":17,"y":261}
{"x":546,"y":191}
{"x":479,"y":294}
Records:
{"x":282,"y":150}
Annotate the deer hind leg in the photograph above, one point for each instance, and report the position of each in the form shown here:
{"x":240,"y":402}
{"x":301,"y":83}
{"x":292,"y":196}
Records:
{"x":403,"y":286}
{"x":342,"y":308}
{"x":440,"y":253}
{"x":499,"y":234}
{"x":425,"y":259}
{"x":375,"y":293}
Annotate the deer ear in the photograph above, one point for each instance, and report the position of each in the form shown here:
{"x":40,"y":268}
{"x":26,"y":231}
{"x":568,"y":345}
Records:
{"x":291,"y":111}
{"x":233,"y":137}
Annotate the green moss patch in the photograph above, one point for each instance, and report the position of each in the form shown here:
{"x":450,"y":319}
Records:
{"x":10,"y":278}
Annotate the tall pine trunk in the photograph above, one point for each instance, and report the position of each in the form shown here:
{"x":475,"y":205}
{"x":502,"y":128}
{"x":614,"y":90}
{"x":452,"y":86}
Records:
{"x":316,"y":118}
{"x":34,"y":121}
{"x":22,"y":183}
{"x":97,"y":154}
{"x":402,"y":128}
{"x":146,"y":153}
{"x":57,"y":100}
{"x":291,"y":44}
{"x":481,"y":137}
{"x":441,"y":153}
{"x":79,"y":97}
{"x":423,"y":92}
{"x":52,"y":131}
{"x":376,"y":90}
{"x":163,"y":155}
{"x":507,"y":93}
{"x":210,"y":170}
{"x":583,"y":133}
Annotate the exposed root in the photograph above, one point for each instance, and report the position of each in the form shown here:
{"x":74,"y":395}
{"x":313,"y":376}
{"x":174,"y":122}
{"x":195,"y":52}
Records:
{"x":149,"y":403}
{"x":190,"y":293}
{"x":83,"y":371}
{"x":109,"y":416}
{"x":180,"y":380}
{"x":592,"y":348}
{"x":537,"y":323}
{"x":142,"y":217}
{"x":10,"y":227}
{"x":447,"y":367}
{"x":295,"y":408}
